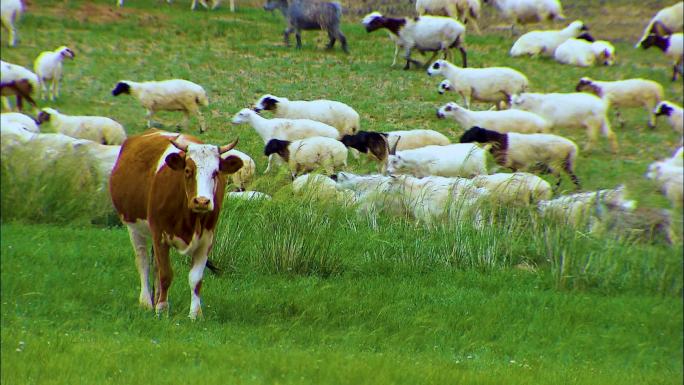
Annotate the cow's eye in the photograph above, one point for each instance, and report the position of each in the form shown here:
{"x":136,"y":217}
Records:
{"x":188,"y":172}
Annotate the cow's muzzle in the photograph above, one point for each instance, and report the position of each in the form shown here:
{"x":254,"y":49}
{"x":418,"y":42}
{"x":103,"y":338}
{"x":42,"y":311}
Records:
{"x":201,"y":205}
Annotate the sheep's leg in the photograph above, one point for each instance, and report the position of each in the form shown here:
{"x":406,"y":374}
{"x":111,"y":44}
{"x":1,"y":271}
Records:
{"x":343,"y":41}
{"x":396,"y":52}
{"x":407,"y":56}
{"x":12,"y":32}
{"x":464,"y":56}
{"x":148,"y":116}
{"x":202,"y":122}
{"x":44,"y":88}
{"x":427,"y":63}
{"x":569,"y":168}
{"x":651,"y":117}
{"x":271,"y":161}
{"x":286,"y":35}
{"x":232,"y":5}
{"x":184,"y":123}
{"x":331,"y":41}
{"x":618,"y":116}
{"x":298,"y":37}
{"x":6,"y":104}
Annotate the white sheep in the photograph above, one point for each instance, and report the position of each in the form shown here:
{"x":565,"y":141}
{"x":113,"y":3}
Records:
{"x":96,"y":128}
{"x":666,"y":21}
{"x":402,"y":140}
{"x":18,"y":81}
{"x":570,"y":110}
{"x":167,"y":95}
{"x":322,"y":187}
{"x":674,"y":113}
{"x":10,"y":11}
{"x":526,"y":151}
{"x":492,"y":84}
{"x":308,"y":154}
{"x":626,"y":93}
{"x":284,"y":129}
{"x":672,"y":46}
{"x":545,"y":42}
{"x":48,"y":67}
{"x":423,"y":33}
{"x":582,"y":53}
{"x":501,"y":121}
{"x":579,"y":207}
{"x":519,"y":187}
{"x":464,"y":160}
{"x":246,"y":173}
{"x":332,"y":113}
{"x":466,"y":11}
{"x":669,"y":174}
{"x":24,"y":121}
{"x":528,"y":11}
{"x":373,"y":193}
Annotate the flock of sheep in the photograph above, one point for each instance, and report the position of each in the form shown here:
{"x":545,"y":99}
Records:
{"x":420,"y":171}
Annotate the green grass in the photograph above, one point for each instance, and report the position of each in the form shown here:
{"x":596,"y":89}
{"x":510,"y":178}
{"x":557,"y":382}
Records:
{"x":313,"y":293}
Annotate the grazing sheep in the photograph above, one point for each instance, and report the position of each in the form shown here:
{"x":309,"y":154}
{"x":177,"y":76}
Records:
{"x":10,"y":11}
{"x":519,"y":187}
{"x":570,"y":110}
{"x":96,"y":128}
{"x":373,"y":193}
{"x":463,"y":10}
{"x":583,"y":53}
{"x":669,"y":174}
{"x":310,"y":15}
{"x":528,"y":11}
{"x":535,"y":43}
{"x":48,"y":66}
{"x":665,"y":22}
{"x":526,"y":151}
{"x":246,"y":173}
{"x":284,"y":129}
{"x":18,"y":81}
{"x":372,"y":143}
{"x":464,"y":160}
{"x":332,"y":113}
{"x":576,"y":208}
{"x":672,"y":46}
{"x":501,"y":121}
{"x":492,"y":84}
{"x":423,"y":33}
{"x":625,"y":93}
{"x":306,"y":155}
{"x":24,"y":121}
{"x":674,"y":113}
{"x":167,"y":95}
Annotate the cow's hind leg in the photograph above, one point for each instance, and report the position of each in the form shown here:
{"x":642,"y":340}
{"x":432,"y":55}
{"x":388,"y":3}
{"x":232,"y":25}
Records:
{"x":142,"y":262}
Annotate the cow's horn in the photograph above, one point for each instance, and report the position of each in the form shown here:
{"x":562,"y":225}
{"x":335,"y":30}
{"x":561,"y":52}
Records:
{"x":228,"y":147}
{"x":182,"y":147}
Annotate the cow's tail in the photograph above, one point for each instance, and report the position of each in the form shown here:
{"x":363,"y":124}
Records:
{"x":213,"y":268}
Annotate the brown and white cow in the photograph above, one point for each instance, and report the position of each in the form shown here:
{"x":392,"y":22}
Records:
{"x":169,"y":188}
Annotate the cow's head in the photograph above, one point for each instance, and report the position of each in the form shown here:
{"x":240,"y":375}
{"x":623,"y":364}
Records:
{"x":203,"y":171}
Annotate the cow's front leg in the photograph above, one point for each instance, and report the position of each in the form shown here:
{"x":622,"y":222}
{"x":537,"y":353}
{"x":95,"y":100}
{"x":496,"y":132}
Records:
{"x":199,"y":262}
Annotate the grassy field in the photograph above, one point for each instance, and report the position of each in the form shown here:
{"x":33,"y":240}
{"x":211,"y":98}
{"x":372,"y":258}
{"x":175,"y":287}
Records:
{"x":311,"y":292}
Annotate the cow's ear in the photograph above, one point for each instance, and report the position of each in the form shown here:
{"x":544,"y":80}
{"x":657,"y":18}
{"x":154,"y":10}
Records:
{"x":175,"y":161}
{"x":230,"y":164}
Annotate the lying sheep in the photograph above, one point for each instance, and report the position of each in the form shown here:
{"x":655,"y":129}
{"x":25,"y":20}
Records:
{"x":577,"y":208}
{"x":492,"y":84}
{"x":332,"y":113}
{"x":665,"y":22}
{"x":321,"y":187}
{"x":308,"y":154}
{"x":48,"y":67}
{"x":18,"y":81}
{"x":245,"y":174}
{"x":96,"y":128}
{"x":466,"y":11}
{"x":310,"y":15}
{"x":519,"y":187}
{"x":527,"y":151}
{"x":672,"y":46}
{"x":545,"y":42}
{"x":284,"y":129}
{"x":528,"y":11}
{"x":167,"y":95}
{"x":674,"y":113}
{"x":625,"y":93}
{"x":570,"y":110}
{"x":10,"y":11}
{"x":669,"y":175}
{"x":583,"y":53}
{"x":423,"y":33}
{"x":464,"y":160}
{"x":24,"y":121}
{"x":501,"y":121}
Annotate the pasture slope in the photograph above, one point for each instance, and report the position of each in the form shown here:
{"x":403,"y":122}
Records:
{"x":311,"y":293}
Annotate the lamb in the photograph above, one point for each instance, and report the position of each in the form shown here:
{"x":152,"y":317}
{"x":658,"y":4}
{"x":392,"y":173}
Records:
{"x":525,"y":151}
{"x":463,"y":10}
{"x":576,"y":208}
{"x":24,"y":121}
{"x":583,"y":53}
{"x":665,"y":22}
{"x":669,"y":174}
{"x":167,"y":95}
{"x":464,"y":160}
{"x":96,"y":128}
{"x":10,"y":11}
{"x":423,"y":33}
{"x":18,"y":81}
{"x":545,"y":42}
{"x":48,"y":67}
{"x":501,"y":121}
{"x":306,"y":155}
{"x":492,"y":84}
{"x":332,"y":113}
{"x":310,"y":15}
{"x":528,"y":11}
{"x":284,"y":129}
{"x":672,"y":46}
{"x":519,"y":187}
{"x":626,"y":93}
{"x":571,"y":110}
{"x":245,"y":174}
{"x":674,"y":113}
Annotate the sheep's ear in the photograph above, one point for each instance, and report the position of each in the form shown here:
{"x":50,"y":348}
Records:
{"x":393,"y":150}
{"x":660,"y":29}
